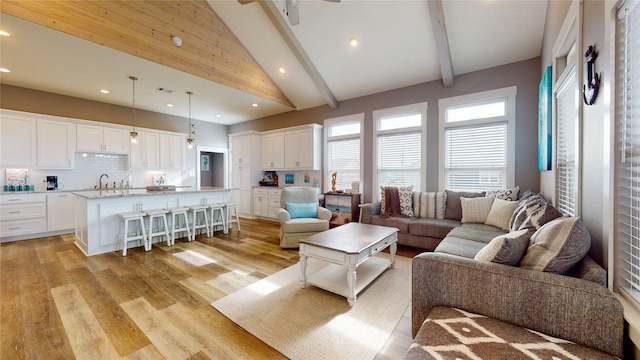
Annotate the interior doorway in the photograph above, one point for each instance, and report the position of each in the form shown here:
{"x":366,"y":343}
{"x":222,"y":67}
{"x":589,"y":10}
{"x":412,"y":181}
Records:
{"x":212,"y":167}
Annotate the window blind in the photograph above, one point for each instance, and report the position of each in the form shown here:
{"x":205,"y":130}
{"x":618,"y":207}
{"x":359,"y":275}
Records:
{"x":628,"y":130}
{"x":476,"y":157}
{"x":343,"y":157}
{"x":399,"y":159}
{"x":567,"y":119}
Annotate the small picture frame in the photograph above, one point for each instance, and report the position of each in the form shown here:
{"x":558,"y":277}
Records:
{"x":204,"y":162}
{"x":289,"y":179}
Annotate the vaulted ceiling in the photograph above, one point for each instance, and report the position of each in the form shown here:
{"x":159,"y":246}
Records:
{"x":231,"y":50}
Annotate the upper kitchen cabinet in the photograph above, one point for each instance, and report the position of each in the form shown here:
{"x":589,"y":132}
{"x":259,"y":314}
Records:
{"x":17,"y":141}
{"x":171,"y":152}
{"x":100,"y":139}
{"x":303,"y":147}
{"x":273,"y":151}
{"x":56,"y":144}
{"x":145,"y":154}
{"x":245,"y":148}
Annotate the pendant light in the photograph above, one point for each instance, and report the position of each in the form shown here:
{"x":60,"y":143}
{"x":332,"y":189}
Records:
{"x":133,"y":133}
{"x":191,"y":131}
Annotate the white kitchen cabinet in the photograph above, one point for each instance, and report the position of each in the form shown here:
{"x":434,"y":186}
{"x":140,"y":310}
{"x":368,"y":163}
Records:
{"x":60,"y":212}
{"x":145,"y":154}
{"x":56,"y":144}
{"x":245,"y":148}
{"x":17,"y":141}
{"x":274,"y":203}
{"x":100,"y":139}
{"x":303,"y":148}
{"x":241,"y":183}
{"x":260,"y":202}
{"x":22,"y":214}
{"x":171,"y":152}
{"x":245,"y":169}
{"x":273,"y":151}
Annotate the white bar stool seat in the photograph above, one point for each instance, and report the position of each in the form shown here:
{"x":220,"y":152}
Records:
{"x":177,"y":214}
{"x":229,"y":219}
{"x":133,"y":219}
{"x":218,"y":218}
{"x":161,"y":225}
{"x":199,"y":219}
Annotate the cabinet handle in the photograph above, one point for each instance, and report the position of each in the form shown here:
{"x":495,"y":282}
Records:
{"x":15,"y":212}
{"x":14,"y":199}
{"x":15,"y":228}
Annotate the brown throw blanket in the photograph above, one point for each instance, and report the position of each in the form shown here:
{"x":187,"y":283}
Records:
{"x":392,"y":202}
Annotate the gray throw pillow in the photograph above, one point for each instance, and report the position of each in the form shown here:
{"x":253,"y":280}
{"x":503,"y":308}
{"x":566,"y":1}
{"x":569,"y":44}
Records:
{"x":506,"y":249}
{"x":557,"y":246}
{"x":532,"y":213}
{"x":453,"y":210}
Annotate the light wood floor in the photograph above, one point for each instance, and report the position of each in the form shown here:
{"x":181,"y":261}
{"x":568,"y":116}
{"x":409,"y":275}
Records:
{"x":55,"y":303}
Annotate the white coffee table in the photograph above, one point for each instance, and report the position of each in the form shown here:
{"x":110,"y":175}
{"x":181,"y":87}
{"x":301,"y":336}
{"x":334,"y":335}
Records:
{"x":348,"y":248}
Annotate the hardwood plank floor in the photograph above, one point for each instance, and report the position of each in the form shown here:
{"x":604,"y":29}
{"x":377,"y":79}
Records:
{"x":55,"y":303}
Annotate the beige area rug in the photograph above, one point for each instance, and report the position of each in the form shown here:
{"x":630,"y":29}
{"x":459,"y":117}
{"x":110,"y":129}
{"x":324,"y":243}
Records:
{"x":312,"y":323}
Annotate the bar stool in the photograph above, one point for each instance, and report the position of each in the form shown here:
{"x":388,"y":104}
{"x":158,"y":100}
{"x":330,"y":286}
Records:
{"x":217,"y":218}
{"x":176,"y":215}
{"x":161,"y":228}
{"x":228,"y":207}
{"x":135,"y":219}
{"x":197,"y":210}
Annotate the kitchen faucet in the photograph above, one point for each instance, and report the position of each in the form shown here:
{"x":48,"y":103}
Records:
{"x":101,"y":180}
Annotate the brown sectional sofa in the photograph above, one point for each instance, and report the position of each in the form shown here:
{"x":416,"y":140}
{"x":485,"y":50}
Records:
{"x":575,"y":306}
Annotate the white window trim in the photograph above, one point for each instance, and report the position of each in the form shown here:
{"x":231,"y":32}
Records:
{"x":342,"y":119}
{"x":510,"y":94}
{"x":399,"y":110}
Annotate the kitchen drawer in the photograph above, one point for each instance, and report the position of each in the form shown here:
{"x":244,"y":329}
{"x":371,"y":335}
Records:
{"x":23,"y":227}
{"x":7,"y":199}
{"x":274,"y":202}
{"x":275,"y":193}
{"x":23,"y":211}
{"x":273,"y":212}
{"x":260,"y":191}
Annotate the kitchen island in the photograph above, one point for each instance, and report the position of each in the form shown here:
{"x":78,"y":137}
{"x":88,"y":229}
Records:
{"x":97,"y":223}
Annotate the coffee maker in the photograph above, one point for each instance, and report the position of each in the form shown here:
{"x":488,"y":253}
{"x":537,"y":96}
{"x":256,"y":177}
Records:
{"x":52,"y":183}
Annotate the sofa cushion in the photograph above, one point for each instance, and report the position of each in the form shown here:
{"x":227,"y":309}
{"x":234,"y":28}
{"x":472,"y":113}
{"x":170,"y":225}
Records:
{"x":505,"y":194}
{"x":405,"y":198}
{"x":477,"y":232}
{"x":506,"y":249}
{"x":501,"y":213}
{"x":475,"y":210}
{"x":303,"y":225}
{"x":453,"y":210}
{"x":436,"y":228}
{"x":532,"y":213}
{"x":429,"y":204}
{"x":557,"y":246}
{"x":460,"y":247}
{"x":400,"y":223}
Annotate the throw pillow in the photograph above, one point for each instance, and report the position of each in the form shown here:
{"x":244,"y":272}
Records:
{"x":475,"y":210}
{"x":501,"y":212}
{"x":506,"y":194}
{"x":532,"y":213}
{"x":405,"y":198}
{"x":453,"y":210}
{"x":505,"y":249}
{"x":302,"y":210}
{"x":429,"y":204}
{"x":557,"y":246}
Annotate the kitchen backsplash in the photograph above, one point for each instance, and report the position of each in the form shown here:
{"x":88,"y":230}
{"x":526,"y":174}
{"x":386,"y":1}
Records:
{"x":87,"y":171}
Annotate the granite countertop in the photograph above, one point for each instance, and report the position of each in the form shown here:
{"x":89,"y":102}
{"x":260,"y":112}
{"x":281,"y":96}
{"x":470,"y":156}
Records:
{"x":99,"y":194}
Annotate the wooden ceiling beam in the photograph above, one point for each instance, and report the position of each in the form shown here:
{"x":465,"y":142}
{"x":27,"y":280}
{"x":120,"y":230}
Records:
{"x":144,"y":29}
{"x":442,"y":41}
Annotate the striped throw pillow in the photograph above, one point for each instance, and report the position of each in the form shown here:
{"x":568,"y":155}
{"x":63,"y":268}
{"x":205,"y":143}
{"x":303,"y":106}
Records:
{"x":429,"y":204}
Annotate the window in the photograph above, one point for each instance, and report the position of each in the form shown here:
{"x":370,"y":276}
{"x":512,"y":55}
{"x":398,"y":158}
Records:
{"x":476,"y":140}
{"x":400,"y":144}
{"x":627,"y":185}
{"x":343,"y":144}
{"x":567,"y":119}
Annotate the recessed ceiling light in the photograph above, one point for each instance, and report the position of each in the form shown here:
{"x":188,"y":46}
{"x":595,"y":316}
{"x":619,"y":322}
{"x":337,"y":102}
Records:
{"x":353,"y":42}
{"x":254,"y":105}
{"x":104,"y":91}
{"x":169,"y":105}
{"x":4,"y":70}
{"x":218,"y":115}
{"x":281,"y":69}
{"x":4,"y":33}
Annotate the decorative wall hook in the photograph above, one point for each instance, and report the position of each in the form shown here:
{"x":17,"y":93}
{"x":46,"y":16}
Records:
{"x":590,"y":91}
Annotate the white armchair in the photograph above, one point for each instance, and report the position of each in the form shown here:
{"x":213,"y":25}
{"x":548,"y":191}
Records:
{"x":300,"y":215}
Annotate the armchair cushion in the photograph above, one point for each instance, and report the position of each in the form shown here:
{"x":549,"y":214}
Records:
{"x":302,"y":210}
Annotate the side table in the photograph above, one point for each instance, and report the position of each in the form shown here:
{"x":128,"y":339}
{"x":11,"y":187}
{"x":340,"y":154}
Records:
{"x":344,"y":208}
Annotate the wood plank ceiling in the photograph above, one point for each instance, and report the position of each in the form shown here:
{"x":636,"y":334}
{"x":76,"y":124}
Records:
{"x":145,"y":29}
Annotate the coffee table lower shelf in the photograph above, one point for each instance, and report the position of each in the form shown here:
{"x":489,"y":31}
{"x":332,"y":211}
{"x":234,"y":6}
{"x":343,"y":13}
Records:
{"x":333,"y":277}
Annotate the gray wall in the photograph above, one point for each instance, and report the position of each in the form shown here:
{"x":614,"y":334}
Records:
{"x":525,"y":75}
